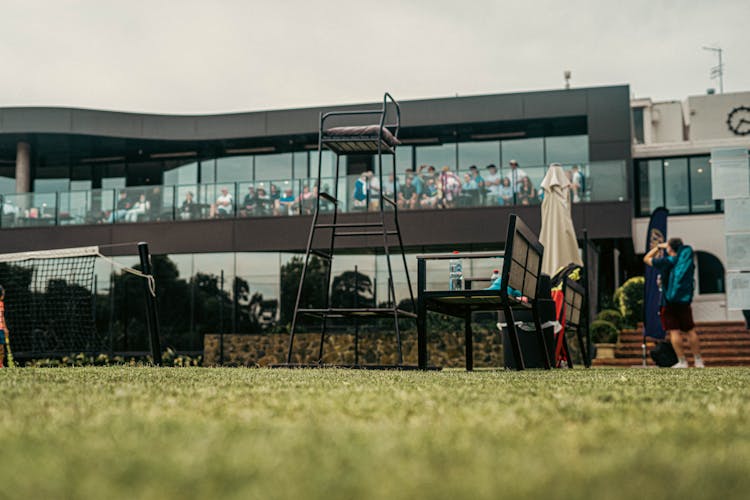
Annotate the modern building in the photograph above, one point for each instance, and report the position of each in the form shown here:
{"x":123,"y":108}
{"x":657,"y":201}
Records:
{"x":75,"y":177}
{"x":672,"y":143}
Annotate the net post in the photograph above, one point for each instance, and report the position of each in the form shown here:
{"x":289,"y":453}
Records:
{"x":152,"y":318}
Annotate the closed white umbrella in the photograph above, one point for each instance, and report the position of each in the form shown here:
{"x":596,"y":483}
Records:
{"x":558,"y":235}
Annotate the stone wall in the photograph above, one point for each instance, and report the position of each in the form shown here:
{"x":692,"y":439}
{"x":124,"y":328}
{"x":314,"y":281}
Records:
{"x":446,"y":350}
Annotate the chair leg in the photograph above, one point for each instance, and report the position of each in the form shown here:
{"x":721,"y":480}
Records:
{"x":540,"y":337}
{"x":469,"y":339}
{"x":513,"y":334}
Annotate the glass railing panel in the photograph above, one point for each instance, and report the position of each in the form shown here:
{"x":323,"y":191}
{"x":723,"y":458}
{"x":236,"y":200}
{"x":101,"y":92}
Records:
{"x":605,"y":181}
{"x":86,"y":207}
{"x":186,"y":203}
{"x":218,"y":199}
{"x":29,"y":210}
{"x":142,"y":204}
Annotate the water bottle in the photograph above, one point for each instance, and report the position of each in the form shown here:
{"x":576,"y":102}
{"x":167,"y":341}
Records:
{"x":456,"y":276}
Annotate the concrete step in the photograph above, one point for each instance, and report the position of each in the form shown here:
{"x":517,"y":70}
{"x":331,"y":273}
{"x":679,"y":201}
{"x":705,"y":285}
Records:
{"x":709,"y":361}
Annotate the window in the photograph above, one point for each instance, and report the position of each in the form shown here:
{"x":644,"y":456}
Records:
{"x":208,"y":171}
{"x":234,"y":169}
{"x":651,"y":185}
{"x":51,"y":179}
{"x":179,"y":173}
{"x":273,"y":167}
{"x":701,"y":199}
{"x":437,"y":156}
{"x":480,"y":154}
{"x":7,"y":179}
{"x":527,"y":152}
{"x":299,"y":163}
{"x":403,"y":159}
{"x":638,"y":125}
{"x":113,"y":176}
{"x":568,"y":150}
{"x":677,"y":195}
{"x":710,"y":273}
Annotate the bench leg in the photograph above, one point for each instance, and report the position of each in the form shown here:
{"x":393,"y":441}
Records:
{"x":540,"y":336}
{"x":469,"y":338}
{"x":421,"y":335}
{"x":582,"y":347}
{"x":515,"y":345}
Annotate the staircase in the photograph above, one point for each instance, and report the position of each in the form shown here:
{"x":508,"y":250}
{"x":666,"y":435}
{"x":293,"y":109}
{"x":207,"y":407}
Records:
{"x":723,"y":343}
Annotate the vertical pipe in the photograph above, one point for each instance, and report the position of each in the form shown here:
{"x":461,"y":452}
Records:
{"x":152,"y":318}
{"x":221,"y":318}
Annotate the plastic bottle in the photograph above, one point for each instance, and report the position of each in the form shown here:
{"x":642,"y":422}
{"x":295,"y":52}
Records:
{"x":456,"y":275}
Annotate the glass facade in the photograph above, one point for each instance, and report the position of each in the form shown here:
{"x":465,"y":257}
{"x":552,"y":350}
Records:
{"x":681,"y":184}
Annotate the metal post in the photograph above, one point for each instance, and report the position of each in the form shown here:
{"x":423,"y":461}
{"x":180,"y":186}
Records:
{"x":152,"y":317}
{"x":221,"y":318}
{"x":586,"y":298}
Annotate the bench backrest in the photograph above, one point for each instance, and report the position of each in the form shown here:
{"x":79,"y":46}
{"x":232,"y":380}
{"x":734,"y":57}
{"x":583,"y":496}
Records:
{"x":522,"y":264}
{"x":573,"y":298}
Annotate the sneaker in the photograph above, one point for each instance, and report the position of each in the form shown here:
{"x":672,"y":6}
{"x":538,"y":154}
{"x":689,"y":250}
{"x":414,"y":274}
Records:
{"x":699,"y":362}
{"x":680,"y":364}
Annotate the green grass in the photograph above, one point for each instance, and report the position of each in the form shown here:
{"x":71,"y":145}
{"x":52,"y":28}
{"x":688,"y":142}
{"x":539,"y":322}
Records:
{"x":258,"y":433}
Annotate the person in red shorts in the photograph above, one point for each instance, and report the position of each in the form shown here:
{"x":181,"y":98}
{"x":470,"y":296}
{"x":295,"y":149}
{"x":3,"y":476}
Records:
{"x":677,"y":280}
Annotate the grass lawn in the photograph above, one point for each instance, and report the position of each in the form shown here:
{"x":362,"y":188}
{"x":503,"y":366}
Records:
{"x":259,"y":433}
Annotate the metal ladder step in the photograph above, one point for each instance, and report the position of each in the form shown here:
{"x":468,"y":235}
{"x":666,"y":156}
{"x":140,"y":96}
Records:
{"x":329,"y":197}
{"x":348,"y":224}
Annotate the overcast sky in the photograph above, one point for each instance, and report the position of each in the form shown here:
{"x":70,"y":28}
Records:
{"x":206,"y":56}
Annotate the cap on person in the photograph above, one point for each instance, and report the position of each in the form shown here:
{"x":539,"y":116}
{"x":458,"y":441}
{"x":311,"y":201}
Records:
{"x":513,"y":162}
{"x":491,"y":165}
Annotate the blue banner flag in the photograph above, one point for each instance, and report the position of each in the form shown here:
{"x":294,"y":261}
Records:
{"x":657,"y":233}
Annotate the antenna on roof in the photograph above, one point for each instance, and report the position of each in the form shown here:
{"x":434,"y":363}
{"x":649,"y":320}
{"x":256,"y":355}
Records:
{"x":567,"y":74}
{"x":717,"y":71}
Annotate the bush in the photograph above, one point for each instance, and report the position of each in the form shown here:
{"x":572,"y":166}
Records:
{"x":629,"y":300}
{"x":612,"y":316}
{"x":603,"y":332}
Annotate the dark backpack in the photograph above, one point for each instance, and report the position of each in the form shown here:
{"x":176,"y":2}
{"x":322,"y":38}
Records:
{"x":663,"y":354}
{"x":681,"y":282}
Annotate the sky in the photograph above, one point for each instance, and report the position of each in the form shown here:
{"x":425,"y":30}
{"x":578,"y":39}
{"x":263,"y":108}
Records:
{"x":220,"y":56}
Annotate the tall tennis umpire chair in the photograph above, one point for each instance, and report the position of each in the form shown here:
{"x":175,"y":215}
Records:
{"x":380,"y":139}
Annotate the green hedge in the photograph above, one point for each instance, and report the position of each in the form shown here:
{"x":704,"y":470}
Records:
{"x":603,"y":332}
{"x":612,"y":316}
{"x":629,"y":300}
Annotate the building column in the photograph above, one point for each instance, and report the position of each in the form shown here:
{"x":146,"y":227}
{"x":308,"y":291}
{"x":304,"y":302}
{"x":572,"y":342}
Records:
{"x":23,"y":167}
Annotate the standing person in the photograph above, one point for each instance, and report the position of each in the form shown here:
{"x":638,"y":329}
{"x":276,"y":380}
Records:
{"x":516,"y":175}
{"x":492,"y":183}
{"x":678,"y":283}
{"x":3,"y":329}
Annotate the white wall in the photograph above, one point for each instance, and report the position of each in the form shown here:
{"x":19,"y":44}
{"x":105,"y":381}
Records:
{"x":708,"y":115}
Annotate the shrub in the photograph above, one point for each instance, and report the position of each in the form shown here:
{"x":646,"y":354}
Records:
{"x":629,"y":300}
{"x":603,"y":332}
{"x":612,"y":316}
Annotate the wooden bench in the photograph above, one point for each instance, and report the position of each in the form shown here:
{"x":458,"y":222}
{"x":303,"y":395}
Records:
{"x":522,"y":264}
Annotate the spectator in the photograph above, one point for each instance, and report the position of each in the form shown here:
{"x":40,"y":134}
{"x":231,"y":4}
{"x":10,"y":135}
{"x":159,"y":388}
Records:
{"x":264,"y":206}
{"x":249,"y":203}
{"x":275,"y":195}
{"x":287,"y":202}
{"x":430,"y":195}
{"x":306,"y":200}
{"x":224,"y":205}
{"x":188,"y":209}
{"x":469,"y":192}
{"x":361,"y":190}
{"x":505,"y":194}
{"x":374,"y":197}
{"x":140,"y":207}
{"x":121,"y":207}
{"x":492,"y":183}
{"x":450,"y":186}
{"x":516,"y":175}
{"x":408,"y":196}
{"x":391,"y":187}
{"x":416,"y":180}
{"x":526,"y":194}
{"x":477,"y":177}
{"x":576,"y":183}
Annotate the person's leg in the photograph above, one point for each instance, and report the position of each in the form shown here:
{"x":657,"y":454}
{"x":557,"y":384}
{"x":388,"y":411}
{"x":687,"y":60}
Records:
{"x":676,"y":339}
{"x":695,"y":348}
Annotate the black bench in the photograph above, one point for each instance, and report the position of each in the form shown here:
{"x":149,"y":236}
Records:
{"x":521,"y":270}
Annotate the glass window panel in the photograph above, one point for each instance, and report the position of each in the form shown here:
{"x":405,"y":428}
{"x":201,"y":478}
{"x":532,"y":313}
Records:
{"x":437,"y":156}
{"x":700,"y":185}
{"x":234,"y":169}
{"x":7,"y":179}
{"x":328,"y":164}
{"x":568,"y":150}
{"x":272,"y":167}
{"x":113,"y":176}
{"x":51,"y":179}
{"x":479,"y":154}
{"x":208,"y":170}
{"x":178,"y":173}
{"x":527,"y":152}
{"x":300,"y":165}
{"x":638,"y":125}
{"x":403,"y":159}
{"x":676,"y":185}
{"x":651,"y":185}
{"x":605,"y":181}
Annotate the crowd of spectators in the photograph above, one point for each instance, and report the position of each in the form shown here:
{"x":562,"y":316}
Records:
{"x":426,"y":187}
